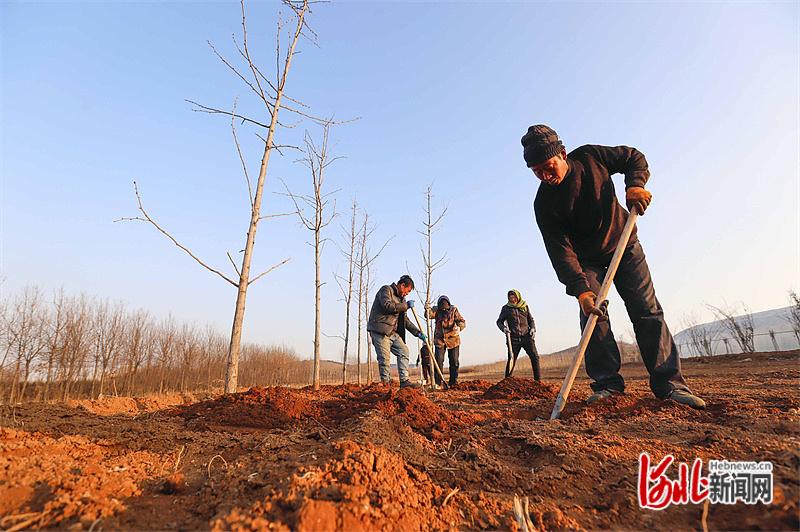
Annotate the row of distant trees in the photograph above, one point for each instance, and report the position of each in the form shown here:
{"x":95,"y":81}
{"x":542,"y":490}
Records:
{"x":57,"y":347}
{"x":736,"y":325}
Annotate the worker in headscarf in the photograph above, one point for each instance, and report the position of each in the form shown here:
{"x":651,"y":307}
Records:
{"x":516,"y":320}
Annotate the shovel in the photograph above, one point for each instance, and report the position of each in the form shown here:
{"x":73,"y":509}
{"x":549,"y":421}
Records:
{"x":561,"y":401}
{"x":433,"y":358}
{"x":511,"y":360}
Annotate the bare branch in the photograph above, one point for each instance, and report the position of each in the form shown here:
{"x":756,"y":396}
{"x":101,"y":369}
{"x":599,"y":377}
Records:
{"x":372,"y":258}
{"x":241,"y":157}
{"x":439,"y":219}
{"x":289,"y":126}
{"x":278,"y":215}
{"x":339,"y":280}
{"x":214,"y":111}
{"x":278,"y":50}
{"x":236,"y":268}
{"x":298,"y":211}
{"x":147,"y":218}
{"x":259,"y":93}
{"x":259,"y":73}
{"x":271,"y":268}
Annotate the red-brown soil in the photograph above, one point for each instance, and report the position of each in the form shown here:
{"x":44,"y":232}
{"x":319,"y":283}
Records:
{"x":380,"y":458}
{"x":477,"y":385}
{"x":524,"y":389}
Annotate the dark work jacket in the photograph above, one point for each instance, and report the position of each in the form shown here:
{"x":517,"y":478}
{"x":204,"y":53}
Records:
{"x":520,"y":321}
{"x":388,"y":313}
{"x":580,"y":218}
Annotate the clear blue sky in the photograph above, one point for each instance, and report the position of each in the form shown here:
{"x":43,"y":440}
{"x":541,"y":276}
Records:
{"x":93,"y":98}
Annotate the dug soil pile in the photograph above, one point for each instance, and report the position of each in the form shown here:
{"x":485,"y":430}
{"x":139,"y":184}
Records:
{"x":527,"y":389}
{"x":477,"y":385}
{"x":362,"y":487}
{"x":278,"y":407}
{"x":380,"y":458}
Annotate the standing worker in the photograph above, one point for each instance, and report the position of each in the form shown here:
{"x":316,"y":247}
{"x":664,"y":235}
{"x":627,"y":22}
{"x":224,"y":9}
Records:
{"x":516,"y":320}
{"x":448,"y":322}
{"x":581,"y":223}
{"x":387,"y":326}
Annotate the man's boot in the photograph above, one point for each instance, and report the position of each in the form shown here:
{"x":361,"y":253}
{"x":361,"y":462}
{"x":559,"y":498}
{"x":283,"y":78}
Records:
{"x":600,"y":395}
{"x":409,"y":384}
{"x":685,"y":397}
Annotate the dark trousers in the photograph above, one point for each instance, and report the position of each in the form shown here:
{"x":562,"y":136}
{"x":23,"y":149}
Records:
{"x":452,"y":358}
{"x":659,"y":352}
{"x":529,"y":345}
{"x":427,"y":366}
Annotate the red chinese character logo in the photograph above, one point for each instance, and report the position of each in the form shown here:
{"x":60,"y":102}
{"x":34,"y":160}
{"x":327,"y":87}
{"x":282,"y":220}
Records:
{"x":656,"y":491}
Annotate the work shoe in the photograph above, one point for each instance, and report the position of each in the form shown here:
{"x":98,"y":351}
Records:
{"x":599,"y":395}
{"x":687,"y":398}
{"x":410,"y":384}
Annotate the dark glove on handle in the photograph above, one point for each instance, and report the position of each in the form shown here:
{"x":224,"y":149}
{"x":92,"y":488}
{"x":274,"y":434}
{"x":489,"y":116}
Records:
{"x":588,"y":303}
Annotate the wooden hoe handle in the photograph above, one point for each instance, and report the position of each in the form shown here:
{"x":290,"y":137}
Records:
{"x":605,"y":288}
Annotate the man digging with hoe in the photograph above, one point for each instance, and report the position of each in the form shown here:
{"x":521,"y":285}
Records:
{"x":581,"y":223}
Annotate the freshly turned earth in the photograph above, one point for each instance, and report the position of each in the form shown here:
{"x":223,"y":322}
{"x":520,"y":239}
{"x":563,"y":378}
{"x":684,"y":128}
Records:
{"x":378,"y":458}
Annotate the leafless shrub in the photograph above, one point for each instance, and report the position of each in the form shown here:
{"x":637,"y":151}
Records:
{"x":740,"y":327}
{"x":701,"y":337}
{"x":792,"y":315}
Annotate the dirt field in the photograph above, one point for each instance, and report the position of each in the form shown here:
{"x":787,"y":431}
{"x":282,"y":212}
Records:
{"x":378,"y":458}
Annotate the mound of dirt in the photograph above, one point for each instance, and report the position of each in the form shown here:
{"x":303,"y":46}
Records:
{"x":363,"y":488}
{"x":109,"y":405}
{"x":423,"y":415}
{"x":514,"y":388}
{"x":276,"y":407}
{"x":265,"y":408}
{"x":473,"y":386}
{"x":411,"y":405}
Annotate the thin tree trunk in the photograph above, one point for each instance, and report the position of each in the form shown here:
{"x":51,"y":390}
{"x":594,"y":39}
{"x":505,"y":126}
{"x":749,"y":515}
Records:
{"x":25,"y":380}
{"x":428,"y":276}
{"x":348,"y":296}
{"x":346,"y":341}
{"x":102,"y":380}
{"x":234,"y":350}
{"x":366,"y":316}
{"x":48,"y":378}
{"x":14,"y":383}
{"x":94,"y":378}
{"x":317,"y":286}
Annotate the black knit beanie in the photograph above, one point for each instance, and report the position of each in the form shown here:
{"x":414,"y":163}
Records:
{"x":540,"y":143}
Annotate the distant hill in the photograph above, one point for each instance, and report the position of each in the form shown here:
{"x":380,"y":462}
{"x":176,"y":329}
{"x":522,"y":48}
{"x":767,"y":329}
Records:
{"x":763,"y":323}
{"x":563,"y":358}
